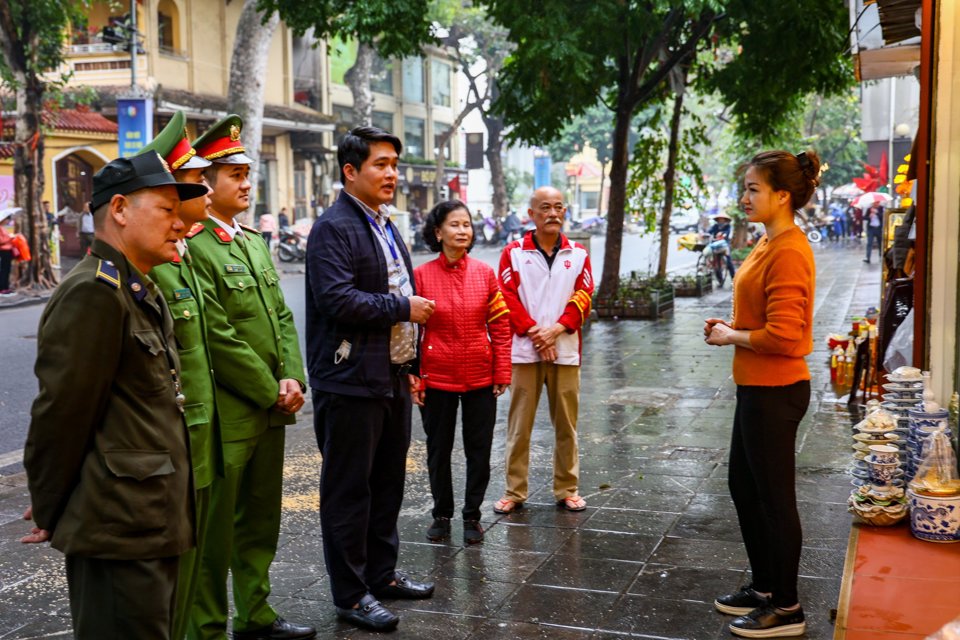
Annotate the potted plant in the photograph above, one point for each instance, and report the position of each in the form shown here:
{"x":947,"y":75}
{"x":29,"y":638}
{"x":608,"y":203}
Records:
{"x":692,"y":286}
{"x":637,"y":297}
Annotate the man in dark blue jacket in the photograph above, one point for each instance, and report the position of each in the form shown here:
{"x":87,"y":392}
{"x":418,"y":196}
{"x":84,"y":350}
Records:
{"x":362,"y":316}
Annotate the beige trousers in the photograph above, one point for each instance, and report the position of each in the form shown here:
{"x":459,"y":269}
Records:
{"x":563,"y":395}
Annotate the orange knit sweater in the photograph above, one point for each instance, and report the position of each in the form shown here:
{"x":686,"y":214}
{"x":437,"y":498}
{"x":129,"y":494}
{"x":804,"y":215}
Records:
{"x":773,"y":300}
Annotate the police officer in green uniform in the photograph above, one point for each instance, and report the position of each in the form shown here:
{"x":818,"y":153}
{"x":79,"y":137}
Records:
{"x":181,"y":289}
{"x":260,"y":382}
{"x":107,"y":457}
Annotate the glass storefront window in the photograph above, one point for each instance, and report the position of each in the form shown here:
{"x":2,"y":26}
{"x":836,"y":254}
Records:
{"x":413,"y":79}
{"x":440,"y":83}
{"x":383,"y":120}
{"x":413,"y":137}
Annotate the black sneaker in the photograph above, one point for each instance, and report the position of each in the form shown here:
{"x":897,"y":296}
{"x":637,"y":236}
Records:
{"x":472,"y":532}
{"x":740,"y":603}
{"x":769,"y":622}
{"x":439,"y":530}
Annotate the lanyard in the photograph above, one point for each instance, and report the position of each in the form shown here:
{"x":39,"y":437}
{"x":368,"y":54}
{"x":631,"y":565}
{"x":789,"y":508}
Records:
{"x":386,"y":235}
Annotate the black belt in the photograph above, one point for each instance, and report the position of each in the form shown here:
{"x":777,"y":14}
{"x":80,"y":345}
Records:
{"x":400,"y":369}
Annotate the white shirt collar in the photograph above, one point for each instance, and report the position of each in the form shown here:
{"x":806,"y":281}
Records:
{"x":232,"y":228}
{"x":383,"y":212}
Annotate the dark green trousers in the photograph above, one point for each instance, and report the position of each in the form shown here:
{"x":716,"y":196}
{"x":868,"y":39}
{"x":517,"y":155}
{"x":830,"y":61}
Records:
{"x":122,"y":599}
{"x":241,"y":539}
{"x":190,"y":567}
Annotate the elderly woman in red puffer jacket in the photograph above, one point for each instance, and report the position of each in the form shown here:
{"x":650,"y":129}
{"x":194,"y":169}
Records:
{"x":464,"y":360}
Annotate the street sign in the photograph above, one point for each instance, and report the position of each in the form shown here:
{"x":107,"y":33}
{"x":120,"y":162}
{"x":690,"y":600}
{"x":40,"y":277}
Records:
{"x":135,"y":124}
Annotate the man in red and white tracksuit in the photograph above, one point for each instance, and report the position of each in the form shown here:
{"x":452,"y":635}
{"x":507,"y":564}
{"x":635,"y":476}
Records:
{"x":547,"y":284}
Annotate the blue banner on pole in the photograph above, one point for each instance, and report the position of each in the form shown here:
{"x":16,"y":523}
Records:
{"x":542,"y":166}
{"x":135,"y":125}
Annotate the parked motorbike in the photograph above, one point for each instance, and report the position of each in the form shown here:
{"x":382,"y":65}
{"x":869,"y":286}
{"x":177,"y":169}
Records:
{"x":812,"y":228}
{"x":292,"y":246}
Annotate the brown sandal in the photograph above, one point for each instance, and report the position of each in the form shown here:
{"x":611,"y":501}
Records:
{"x":572,"y":503}
{"x":506,"y":505}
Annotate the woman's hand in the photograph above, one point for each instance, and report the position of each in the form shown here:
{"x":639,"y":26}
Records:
{"x":709,"y":323}
{"x":499,"y":389}
{"x":417,"y":392}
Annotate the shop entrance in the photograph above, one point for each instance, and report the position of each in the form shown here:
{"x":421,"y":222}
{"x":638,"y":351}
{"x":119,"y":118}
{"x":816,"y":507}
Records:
{"x":74,"y":188}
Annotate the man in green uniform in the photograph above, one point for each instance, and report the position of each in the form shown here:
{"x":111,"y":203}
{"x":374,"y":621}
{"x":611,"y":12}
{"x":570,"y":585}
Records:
{"x":107,"y":457}
{"x":259,"y":375}
{"x":178,"y":283}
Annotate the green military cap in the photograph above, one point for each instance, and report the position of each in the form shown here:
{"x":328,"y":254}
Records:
{"x":173,"y":145}
{"x":221,"y":143}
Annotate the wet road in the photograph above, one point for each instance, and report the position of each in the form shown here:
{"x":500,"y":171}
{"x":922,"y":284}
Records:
{"x":657,"y":543}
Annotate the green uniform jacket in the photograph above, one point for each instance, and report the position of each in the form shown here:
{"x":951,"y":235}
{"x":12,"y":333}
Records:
{"x":182,"y":292}
{"x":107,"y":458}
{"x":251,"y":336}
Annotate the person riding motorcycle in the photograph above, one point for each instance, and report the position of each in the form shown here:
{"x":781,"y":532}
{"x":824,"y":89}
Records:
{"x":720,"y":232}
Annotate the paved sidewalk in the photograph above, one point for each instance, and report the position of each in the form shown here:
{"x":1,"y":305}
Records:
{"x":657,"y":543}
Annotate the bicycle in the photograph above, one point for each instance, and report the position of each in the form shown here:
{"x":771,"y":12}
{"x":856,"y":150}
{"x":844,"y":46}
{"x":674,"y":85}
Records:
{"x":712,"y":262}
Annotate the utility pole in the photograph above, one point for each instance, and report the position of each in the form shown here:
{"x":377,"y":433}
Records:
{"x":133,"y":46}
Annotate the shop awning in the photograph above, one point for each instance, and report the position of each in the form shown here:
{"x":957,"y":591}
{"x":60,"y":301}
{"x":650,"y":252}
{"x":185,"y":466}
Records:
{"x":887,"y":62}
{"x":899,"y":20}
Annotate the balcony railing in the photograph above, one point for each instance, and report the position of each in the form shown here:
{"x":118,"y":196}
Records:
{"x":91,"y":48}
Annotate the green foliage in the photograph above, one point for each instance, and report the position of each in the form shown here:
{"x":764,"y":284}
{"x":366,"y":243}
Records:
{"x":37,"y":30}
{"x":563,"y":65}
{"x":779,"y":53}
{"x":594,"y":126}
{"x":515,"y":179}
{"x":395,"y":27}
{"x":646,"y":190}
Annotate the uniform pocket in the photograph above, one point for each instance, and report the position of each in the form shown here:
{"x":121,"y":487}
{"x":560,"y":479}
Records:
{"x":241,"y":302}
{"x":155,"y":377}
{"x":137,"y":495}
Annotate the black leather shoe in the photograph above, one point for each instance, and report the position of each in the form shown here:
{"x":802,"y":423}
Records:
{"x":279,"y":630}
{"x":405,"y":589}
{"x":439,"y":530}
{"x":472,"y":532}
{"x":370,"y":614}
{"x":740,"y":603}
{"x":769,"y":622}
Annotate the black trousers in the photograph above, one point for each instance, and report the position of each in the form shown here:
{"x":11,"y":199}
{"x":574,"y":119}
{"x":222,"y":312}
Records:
{"x":122,"y":599}
{"x":364,"y":443}
{"x":874,"y":234}
{"x":6,"y":258}
{"x":440,"y":424}
{"x":763,"y":484}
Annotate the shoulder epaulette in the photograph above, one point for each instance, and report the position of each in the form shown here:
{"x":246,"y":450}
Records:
{"x":248,"y":228}
{"x":195,"y":229}
{"x":221,"y":234}
{"x":107,"y":272}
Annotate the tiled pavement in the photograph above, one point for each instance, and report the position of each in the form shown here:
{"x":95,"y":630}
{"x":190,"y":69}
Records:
{"x":657,"y":543}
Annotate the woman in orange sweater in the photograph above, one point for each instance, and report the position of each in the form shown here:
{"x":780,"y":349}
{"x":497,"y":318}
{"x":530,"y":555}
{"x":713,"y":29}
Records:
{"x":772,"y":331}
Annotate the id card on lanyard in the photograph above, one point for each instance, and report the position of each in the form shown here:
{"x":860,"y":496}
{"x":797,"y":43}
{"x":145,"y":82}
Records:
{"x":386,"y":232}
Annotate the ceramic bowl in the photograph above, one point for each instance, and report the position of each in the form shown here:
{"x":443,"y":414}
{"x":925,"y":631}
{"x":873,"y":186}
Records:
{"x":935,"y":519}
{"x":884,"y":454}
{"x":901,"y":388}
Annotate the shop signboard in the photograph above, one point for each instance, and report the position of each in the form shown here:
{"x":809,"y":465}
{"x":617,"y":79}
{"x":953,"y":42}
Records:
{"x":424,"y":175}
{"x":134,"y":124}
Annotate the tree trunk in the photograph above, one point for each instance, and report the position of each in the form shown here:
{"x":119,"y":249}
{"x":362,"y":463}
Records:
{"x":19,"y":43}
{"x":28,"y":181}
{"x":248,"y":76}
{"x":358,"y":79}
{"x":494,"y":125}
{"x":669,"y":180}
{"x":610,"y":280}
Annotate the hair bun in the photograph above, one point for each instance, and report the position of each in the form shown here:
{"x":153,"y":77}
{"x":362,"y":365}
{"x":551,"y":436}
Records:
{"x":810,"y":165}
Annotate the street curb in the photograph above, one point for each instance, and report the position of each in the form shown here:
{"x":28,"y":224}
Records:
{"x":25,"y":300}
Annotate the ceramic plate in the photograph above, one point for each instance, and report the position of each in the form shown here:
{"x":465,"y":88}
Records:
{"x":914,"y":382}
{"x":903,"y":388}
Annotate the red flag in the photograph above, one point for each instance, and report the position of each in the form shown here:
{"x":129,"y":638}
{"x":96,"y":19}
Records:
{"x":454,"y":185}
{"x":884,"y":168}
